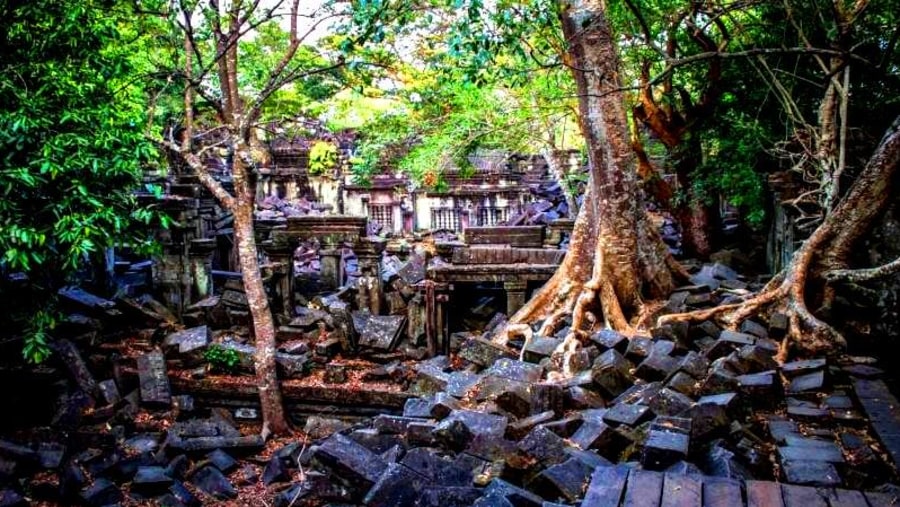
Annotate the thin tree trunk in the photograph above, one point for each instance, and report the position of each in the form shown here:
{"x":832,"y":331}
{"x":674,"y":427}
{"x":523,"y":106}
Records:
{"x":274,"y":420}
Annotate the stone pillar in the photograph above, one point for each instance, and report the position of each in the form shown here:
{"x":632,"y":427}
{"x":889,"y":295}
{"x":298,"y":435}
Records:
{"x":515,"y":295}
{"x":436,"y":296}
{"x":200,"y":254}
{"x":330,"y":261}
{"x":281,"y":261}
{"x":368,"y":252}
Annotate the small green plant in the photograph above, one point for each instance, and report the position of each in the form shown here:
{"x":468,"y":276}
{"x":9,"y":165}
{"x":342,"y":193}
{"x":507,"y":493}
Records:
{"x":222,"y":358}
{"x":323,"y":157}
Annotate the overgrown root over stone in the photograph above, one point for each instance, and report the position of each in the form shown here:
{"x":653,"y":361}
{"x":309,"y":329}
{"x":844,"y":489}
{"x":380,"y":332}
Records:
{"x":785,"y":294}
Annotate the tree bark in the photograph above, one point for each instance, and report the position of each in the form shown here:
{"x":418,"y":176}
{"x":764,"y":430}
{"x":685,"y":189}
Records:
{"x":614,"y":260}
{"x":274,"y":420}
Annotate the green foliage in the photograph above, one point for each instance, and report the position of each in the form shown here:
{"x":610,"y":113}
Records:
{"x":323,"y":158}
{"x":222,"y":358}
{"x":71,"y":147}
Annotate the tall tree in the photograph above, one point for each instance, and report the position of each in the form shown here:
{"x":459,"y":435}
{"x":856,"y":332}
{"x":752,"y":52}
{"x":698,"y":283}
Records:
{"x":71,"y":114}
{"x":214,"y":73}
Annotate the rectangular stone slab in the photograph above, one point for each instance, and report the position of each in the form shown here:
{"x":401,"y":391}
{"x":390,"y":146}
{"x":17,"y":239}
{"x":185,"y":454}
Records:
{"x":153,"y":379}
{"x":801,"y":496}
{"x":682,"y":491}
{"x":644,"y":489}
{"x":606,"y":487}
{"x":764,"y":494}
{"x":721,"y":492}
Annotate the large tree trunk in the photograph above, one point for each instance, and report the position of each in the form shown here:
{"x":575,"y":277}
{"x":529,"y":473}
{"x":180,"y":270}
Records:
{"x":274,"y":420}
{"x":614,"y":259}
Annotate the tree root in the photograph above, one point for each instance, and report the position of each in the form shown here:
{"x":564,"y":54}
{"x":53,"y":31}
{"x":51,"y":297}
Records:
{"x":785,"y":294}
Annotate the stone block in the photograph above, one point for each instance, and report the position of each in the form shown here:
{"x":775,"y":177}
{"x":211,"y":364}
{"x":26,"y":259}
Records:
{"x":546,"y":447}
{"x":664,"y":448}
{"x":608,"y":339}
{"x":567,"y":480}
{"x":612,"y":373}
{"x":627,"y":414}
{"x":398,"y":486}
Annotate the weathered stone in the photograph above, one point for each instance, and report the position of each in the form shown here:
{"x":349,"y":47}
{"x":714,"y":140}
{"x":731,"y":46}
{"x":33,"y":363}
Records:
{"x":863,"y":371}
{"x":728,"y":342}
{"x":211,"y":481}
{"x":438,"y":496}
{"x":778,"y":325}
{"x":545,"y":446}
{"x":329,"y":347}
{"x":755,"y":328}
{"x":657,"y":366}
{"x":189,"y":340}
{"x":608,"y":339}
{"x":806,"y":449}
{"x":720,"y":378}
{"x":50,"y":454}
{"x":150,"y":480}
{"x":684,"y":468}
{"x":183,"y":406}
{"x":721,"y":462}
{"x":699,"y":299}
{"x":780,"y":428}
{"x":374,"y":441}
{"x":317,"y":427}
{"x":612,"y":373}
{"x":458,"y":383}
{"x":397,"y":486}
{"x":803,"y":367}
{"x":153,"y":379}
{"x":483,"y":352}
{"x":547,"y":396}
{"x":757,"y":358}
{"x":808,"y":382}
{"x":110,"y":391}
{"x":639,"y":348}
{"x":708,"y":420}
{"x":517,"y":496}
{"x":275,"y":471}
{"x":759,"y":387}
{"x":515,"y":401}
{"x":568,"y":480}
{"x":606,"y":486}
{"x":516,"y":370}
{"x":726,"y":400}
{"x":292,"y":365}
{"x":181,"y":494}
{"x":222,"y":460}
{"x":683,"y":383}
{"x":421,"y":433}
{"x":539,"y":347}
{"x":639,"y":393}
{"x":437,"y":470}
{"x":627,"y":414}
{"x":580,"y":398}
{"x":101,"y":492}
{"x":393,"y":423}
{"x":519,"y":428}
{"x":668,"y":402}
{"x":664,"y":448}
{"x":694,"y":365}
{"x":350,"y":461}
{"x":378,"y":331}
{"x":810,"y":473}
{"x":243,"y":444}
